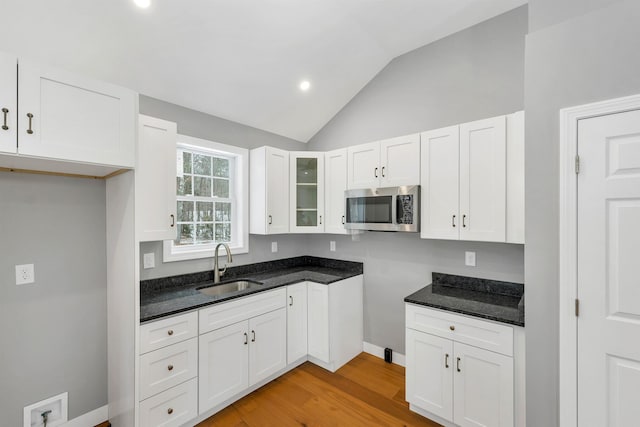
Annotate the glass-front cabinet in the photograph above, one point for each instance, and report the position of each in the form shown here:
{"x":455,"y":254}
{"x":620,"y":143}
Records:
{"x":306,"y":192}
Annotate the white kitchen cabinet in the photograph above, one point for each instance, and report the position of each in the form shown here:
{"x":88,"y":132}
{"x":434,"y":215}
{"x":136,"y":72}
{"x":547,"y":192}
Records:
{"x":335,"y":166}
{"x":167,"y":367}
{"x":8,"y":103}
{"x":172,"y":408}
{"x":473,"y":181}
{"x":296,"y":322}
{"x":335,"y":322}
{"x":388,"y":163}
{"x":269,"y":186}
{"x":156,"y":214}
{"x":448,"y":379}
{"x":268,"y":345}
{"x":306,"y":178}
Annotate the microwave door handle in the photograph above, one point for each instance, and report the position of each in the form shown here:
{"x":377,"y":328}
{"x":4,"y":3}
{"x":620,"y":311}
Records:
{"x":394,"y":211}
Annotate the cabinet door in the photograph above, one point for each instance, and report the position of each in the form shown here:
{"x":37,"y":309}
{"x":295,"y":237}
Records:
{"x":439,"y":181}
{"x":482,"y":180}
{"x":296,"y":321}
{"x":400,"y":161}
{"x":156,"y":179}
{"x":306,"y":177}
{"x":68,"y":117}
{"x":429,"y":373}
{"x":223,"y":364}
{"x":363,"y":166}
{"x":318,"y":318}
{"x":268,"y":345}
{"x":483,"y":388}
{"x":277,"y":170}
{"x":8,"y":103}
{"x":335,"y":166}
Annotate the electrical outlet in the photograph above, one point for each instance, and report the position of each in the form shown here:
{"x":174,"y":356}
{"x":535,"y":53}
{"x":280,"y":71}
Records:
{"x":149,"y":260}
{"x":470,"y":259}
{"x":274,"y":247}
{"x":332,"y":246}
{"x":25,"y":274}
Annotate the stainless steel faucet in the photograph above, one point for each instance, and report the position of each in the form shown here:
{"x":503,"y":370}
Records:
{"x":216,"y":271}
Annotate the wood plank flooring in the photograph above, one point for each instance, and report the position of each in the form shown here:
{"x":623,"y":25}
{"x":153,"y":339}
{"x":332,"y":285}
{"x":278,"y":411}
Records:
{"x":365,"y":392}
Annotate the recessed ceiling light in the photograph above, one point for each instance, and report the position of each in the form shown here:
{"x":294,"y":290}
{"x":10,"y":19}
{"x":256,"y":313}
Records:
{"x":305,"y":85}
{"x":143,"y":4}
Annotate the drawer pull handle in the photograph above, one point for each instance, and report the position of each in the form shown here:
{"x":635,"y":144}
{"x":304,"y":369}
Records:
{"x":170,"y":368}
{"x":383,"y":171}
{"x":343,"y":219}
{"x":246,"y":339}
{"x":173,"y":220}
{"x":291,"y":301}
{"x":458,"y":364}
{"x":464,"y":217}
{"x":446,"y":361}
{"x":170,"y":411}
{"x":453,"y":221}
{"x":30,"y":116}
{"x":253,"y":336}
{"x":170,"y":332}
{"x":453,"y":328}
{"x":320,"y":219}
{"x":4,"y":126}
{"x":270,"y":220}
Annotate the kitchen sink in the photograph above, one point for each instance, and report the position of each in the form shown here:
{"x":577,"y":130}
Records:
{"x":229,"y":287}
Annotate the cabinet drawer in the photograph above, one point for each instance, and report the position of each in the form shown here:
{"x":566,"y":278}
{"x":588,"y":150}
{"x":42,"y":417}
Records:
{"x":169,"y":331}
{"x":468,"y":330}
{"x":224,"y":314}
{"x":172,"y":408}
{"x":167,"y":367}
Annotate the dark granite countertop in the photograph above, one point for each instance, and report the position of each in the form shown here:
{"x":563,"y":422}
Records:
{"x":171,"y":295}
{"x":488,"y":299}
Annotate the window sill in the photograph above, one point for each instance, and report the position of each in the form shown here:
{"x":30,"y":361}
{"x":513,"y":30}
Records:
{"x":169,"y":255}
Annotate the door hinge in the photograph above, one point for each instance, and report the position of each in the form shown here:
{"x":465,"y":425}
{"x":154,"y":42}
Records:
{"x":577,"y":164}
{"x":577,"y":307}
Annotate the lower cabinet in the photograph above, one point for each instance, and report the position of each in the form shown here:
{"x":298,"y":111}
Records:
{"x":457,"y":382}
{"x":296,"y":322}
{"x":172,"y":408}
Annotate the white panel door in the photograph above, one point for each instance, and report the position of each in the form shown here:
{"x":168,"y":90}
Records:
{"x":296,"y":321}
{"x":483,"y":388}
{"x":223,"y":364}
{"x":306,"y":191}
{"x":400,"y":161}
{"x":277,"y":191}
{"x":483,"y":180}
{"x":156,"y":179}
{"x":363,"y":166}
{"x":8,"y":103}
{"x":609,"y":270}
{"x":439,"y":181}
{"x":429,"y":375}
{"x":68,"y":117}
{"x":318,"y":321}
{"x":335,"y":178}
{"x":268,"y":346}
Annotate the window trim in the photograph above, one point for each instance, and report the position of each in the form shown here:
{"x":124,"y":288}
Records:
{"x":240,"y":171}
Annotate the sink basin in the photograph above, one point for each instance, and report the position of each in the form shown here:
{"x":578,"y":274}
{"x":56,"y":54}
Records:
{"x":229,"y":287}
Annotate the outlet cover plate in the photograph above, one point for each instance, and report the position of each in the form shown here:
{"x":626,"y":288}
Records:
{"x":274,"y":247}
{"x":332,"y":246}
{"x":25,"y":274}
{"x":470,"y":259}
{"x":149,"y":260}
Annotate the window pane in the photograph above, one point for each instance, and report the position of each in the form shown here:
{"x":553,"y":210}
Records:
{"x":201,"y":164}
{"x":185,"y":211}
{"x":221,"y":167}
{"x":223,"y":212}
{"x":185,"y":234}
{"x":184,"y":187}
{"x":186,"y":162}
{"x":221,"y":188}
{"x":223,"y":232}
{"x":201,"y":186}
{"x":204,"y":211}
{"x":204,"y":233}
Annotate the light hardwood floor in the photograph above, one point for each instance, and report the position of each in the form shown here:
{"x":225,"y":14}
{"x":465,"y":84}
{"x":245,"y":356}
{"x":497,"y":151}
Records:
{"x":365,"y":392}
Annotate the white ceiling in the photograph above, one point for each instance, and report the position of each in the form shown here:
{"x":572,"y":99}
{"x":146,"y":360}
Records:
{"x":237,"y":59}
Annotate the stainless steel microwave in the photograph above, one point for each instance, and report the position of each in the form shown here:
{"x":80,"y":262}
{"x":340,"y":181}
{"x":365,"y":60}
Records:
{"x":383,"y":209}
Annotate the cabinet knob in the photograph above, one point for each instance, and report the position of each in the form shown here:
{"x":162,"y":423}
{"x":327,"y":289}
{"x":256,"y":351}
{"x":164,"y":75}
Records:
{"x":170,"y":411}
{"x":170,"y":368}
{"x":170,"y":332}
{"x":453,"y":328}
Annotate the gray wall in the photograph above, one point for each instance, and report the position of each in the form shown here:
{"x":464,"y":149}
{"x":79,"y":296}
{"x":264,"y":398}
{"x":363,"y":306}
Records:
{"x":543,"y":13}
{"x":201,"y":125}
{"x":589,"y":58}
{"x":54,"y":335}
{"x":474,"y":74}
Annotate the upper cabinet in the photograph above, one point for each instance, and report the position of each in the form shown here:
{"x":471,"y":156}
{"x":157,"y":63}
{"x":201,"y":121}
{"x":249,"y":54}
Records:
{"x":306,"y":192}
{"x":269,"y":186}
{"x":66,"y":117}
{"x":335,"y":166}
{"x":156,"y":179}
{"x":388,"y":163}
{"x":465,"y":190}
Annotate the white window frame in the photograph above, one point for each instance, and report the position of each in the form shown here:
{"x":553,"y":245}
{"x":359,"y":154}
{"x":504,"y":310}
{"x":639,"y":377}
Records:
{"x":240,"y":177}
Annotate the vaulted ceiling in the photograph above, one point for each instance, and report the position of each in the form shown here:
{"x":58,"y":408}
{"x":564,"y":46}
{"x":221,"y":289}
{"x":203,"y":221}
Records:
{"x":241,"y":60}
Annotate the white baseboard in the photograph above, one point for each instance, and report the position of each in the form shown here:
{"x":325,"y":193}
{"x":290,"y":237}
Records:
{"x":90,"y":419}
{"x":378,"y":351}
